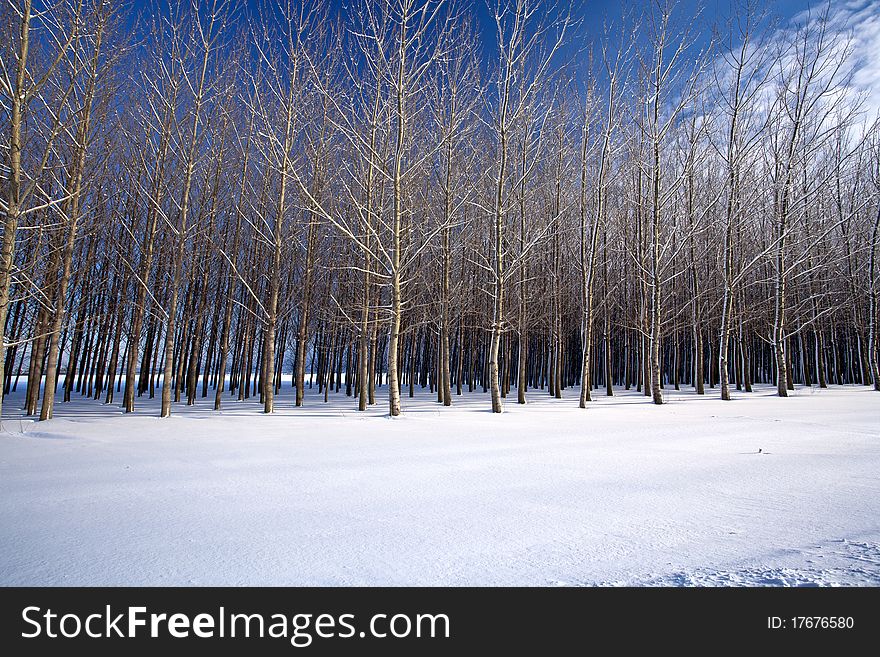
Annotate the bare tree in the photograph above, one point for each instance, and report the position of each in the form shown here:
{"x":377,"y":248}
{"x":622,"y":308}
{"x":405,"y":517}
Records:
{"x":88,"y":65}
{"x":22,"y":83}
{"x":614,"y":65}
{"x":207,"y":25}
{"x":524,"y":62}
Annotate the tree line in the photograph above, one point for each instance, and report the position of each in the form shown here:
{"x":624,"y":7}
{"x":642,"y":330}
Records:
{"x":199,"y":199}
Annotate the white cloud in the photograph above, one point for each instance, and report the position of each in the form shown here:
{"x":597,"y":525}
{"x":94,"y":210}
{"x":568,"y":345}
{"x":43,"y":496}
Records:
{"x":858,"y":20}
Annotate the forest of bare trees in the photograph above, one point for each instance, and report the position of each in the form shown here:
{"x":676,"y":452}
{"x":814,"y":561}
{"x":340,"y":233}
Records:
{"x":199,"y":199}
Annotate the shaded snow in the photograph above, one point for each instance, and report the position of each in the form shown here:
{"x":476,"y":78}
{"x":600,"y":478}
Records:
{"x":547,"y":494}
{"x":835,"y":563}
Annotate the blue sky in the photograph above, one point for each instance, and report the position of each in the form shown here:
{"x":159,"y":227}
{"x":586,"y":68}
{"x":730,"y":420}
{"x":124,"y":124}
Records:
{"x":590,"y":14}
{"x":860,"y":18}
{"x":594,"y":12}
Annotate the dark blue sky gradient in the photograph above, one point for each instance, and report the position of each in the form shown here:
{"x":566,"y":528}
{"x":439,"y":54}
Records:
{"x":591,"y":14}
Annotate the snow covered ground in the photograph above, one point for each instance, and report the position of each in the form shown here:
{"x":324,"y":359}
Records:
{"x":547,"y":494}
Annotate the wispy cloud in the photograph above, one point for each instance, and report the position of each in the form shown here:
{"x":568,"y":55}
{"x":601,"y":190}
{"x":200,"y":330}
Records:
{"x":859,"y":21}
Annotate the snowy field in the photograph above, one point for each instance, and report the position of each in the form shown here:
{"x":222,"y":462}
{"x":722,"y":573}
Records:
{"x":548,"y":494}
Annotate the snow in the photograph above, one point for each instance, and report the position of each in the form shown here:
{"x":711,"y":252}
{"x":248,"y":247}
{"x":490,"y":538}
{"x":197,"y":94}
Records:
{"x":623,"y":493}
